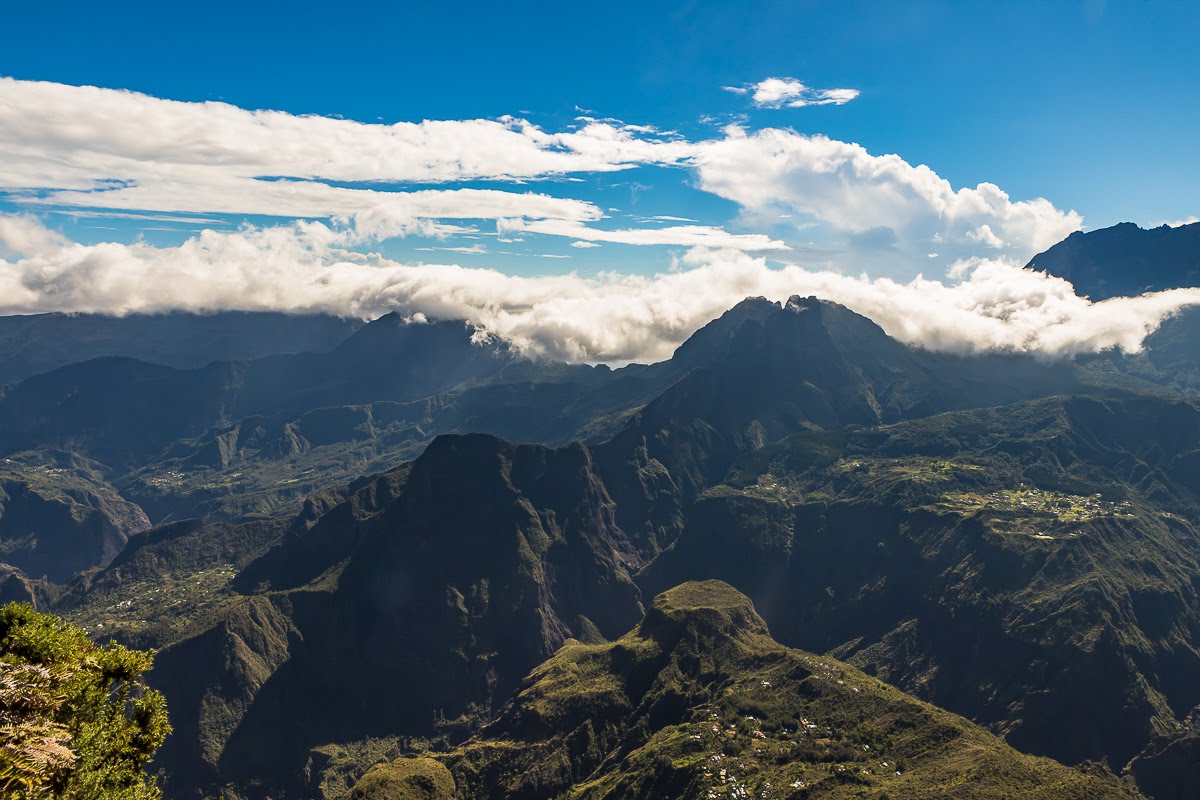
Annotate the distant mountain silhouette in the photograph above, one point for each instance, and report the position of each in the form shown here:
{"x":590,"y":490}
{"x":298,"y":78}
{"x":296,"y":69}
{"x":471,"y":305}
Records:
{"x":41,"y":342}
{"x":1125,"y":260}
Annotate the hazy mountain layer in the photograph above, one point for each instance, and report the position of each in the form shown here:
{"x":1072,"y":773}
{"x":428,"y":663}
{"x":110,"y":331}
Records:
{"x":39,"y":343}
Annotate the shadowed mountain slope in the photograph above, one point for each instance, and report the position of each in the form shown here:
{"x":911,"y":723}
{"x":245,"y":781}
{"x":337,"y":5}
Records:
{"x":58,"y":516}
{"x":453,"y":590}
{"x":1125,"y":260}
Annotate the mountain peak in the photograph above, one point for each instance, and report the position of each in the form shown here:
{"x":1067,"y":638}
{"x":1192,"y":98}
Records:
{"x":797,"y":303}
{"x":712,"y":612}
{"x":1125,"y":259}
{"x":785,"y":325}
{"x":393,"y":327}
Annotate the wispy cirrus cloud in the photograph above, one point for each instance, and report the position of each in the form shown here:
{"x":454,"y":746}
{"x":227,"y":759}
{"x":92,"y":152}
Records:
{"x":678,"y":235}
{"x":792,"y":93}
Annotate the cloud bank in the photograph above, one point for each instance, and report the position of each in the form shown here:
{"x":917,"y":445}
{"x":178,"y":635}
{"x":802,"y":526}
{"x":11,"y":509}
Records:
{"x":301,"y":267}
{"x":890,"y":211}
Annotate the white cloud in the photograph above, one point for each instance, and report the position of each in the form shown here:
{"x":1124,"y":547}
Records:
{"x":85,"y":150}
{"x":298,"y":267}
{"x":984,"y":235}
{"x":471,"y":250}
{"x":92,"y":148}
{"x":123,"y":135}
{"x":1179,"y":223}
{"x":679,"y":235}
{"x":886,"y":210}
{"x":25,"y":235}
{"x":383,"y":213}
{"x":583,"y":245}
{"x":791,"y":93}
{"x":88,"y":213}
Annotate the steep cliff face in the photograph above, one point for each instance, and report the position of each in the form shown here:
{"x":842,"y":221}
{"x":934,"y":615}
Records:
{"x":1169,"y":767}
{"x":56,"y":521}
{"x":477,"y":568}
{"x":15,"y":587}
{"x":214,"y":679}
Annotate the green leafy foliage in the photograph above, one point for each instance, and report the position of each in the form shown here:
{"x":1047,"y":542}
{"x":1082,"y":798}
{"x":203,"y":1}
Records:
{"x":75,"y":720}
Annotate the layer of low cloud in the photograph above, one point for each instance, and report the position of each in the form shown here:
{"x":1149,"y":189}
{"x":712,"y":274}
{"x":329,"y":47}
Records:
{"x":791,"y":93}
{"x":992,"y":305}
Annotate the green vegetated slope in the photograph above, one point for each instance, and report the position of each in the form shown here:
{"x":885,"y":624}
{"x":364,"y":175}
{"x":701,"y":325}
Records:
{"x":963,"y":556}
{"x":1030,"y":566}
{"x":698,"y":701}
{"x":167,"y":582}
{"x":1033,"y":567}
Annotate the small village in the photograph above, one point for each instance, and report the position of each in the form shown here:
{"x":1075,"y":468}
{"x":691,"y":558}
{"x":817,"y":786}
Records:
{"x":134,"y":606}
{"x":740,"y":755}
{"x":1038,"y":513}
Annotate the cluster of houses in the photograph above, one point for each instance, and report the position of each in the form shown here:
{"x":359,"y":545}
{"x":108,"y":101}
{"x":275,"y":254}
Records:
{"x":727,"y":776}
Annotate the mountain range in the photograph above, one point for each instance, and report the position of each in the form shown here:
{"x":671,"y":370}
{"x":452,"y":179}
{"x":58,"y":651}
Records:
{"x":1125,"y":259}
{"x":799,"y":558}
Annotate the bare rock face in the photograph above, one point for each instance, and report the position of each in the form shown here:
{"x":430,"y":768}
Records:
{"x":15,"y":587}
{"x":1169,"y":767}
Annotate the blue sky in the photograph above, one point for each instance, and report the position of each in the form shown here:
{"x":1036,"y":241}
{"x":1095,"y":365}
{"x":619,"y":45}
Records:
{"x":592,"y":140}
{"x":1094,"y":105}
